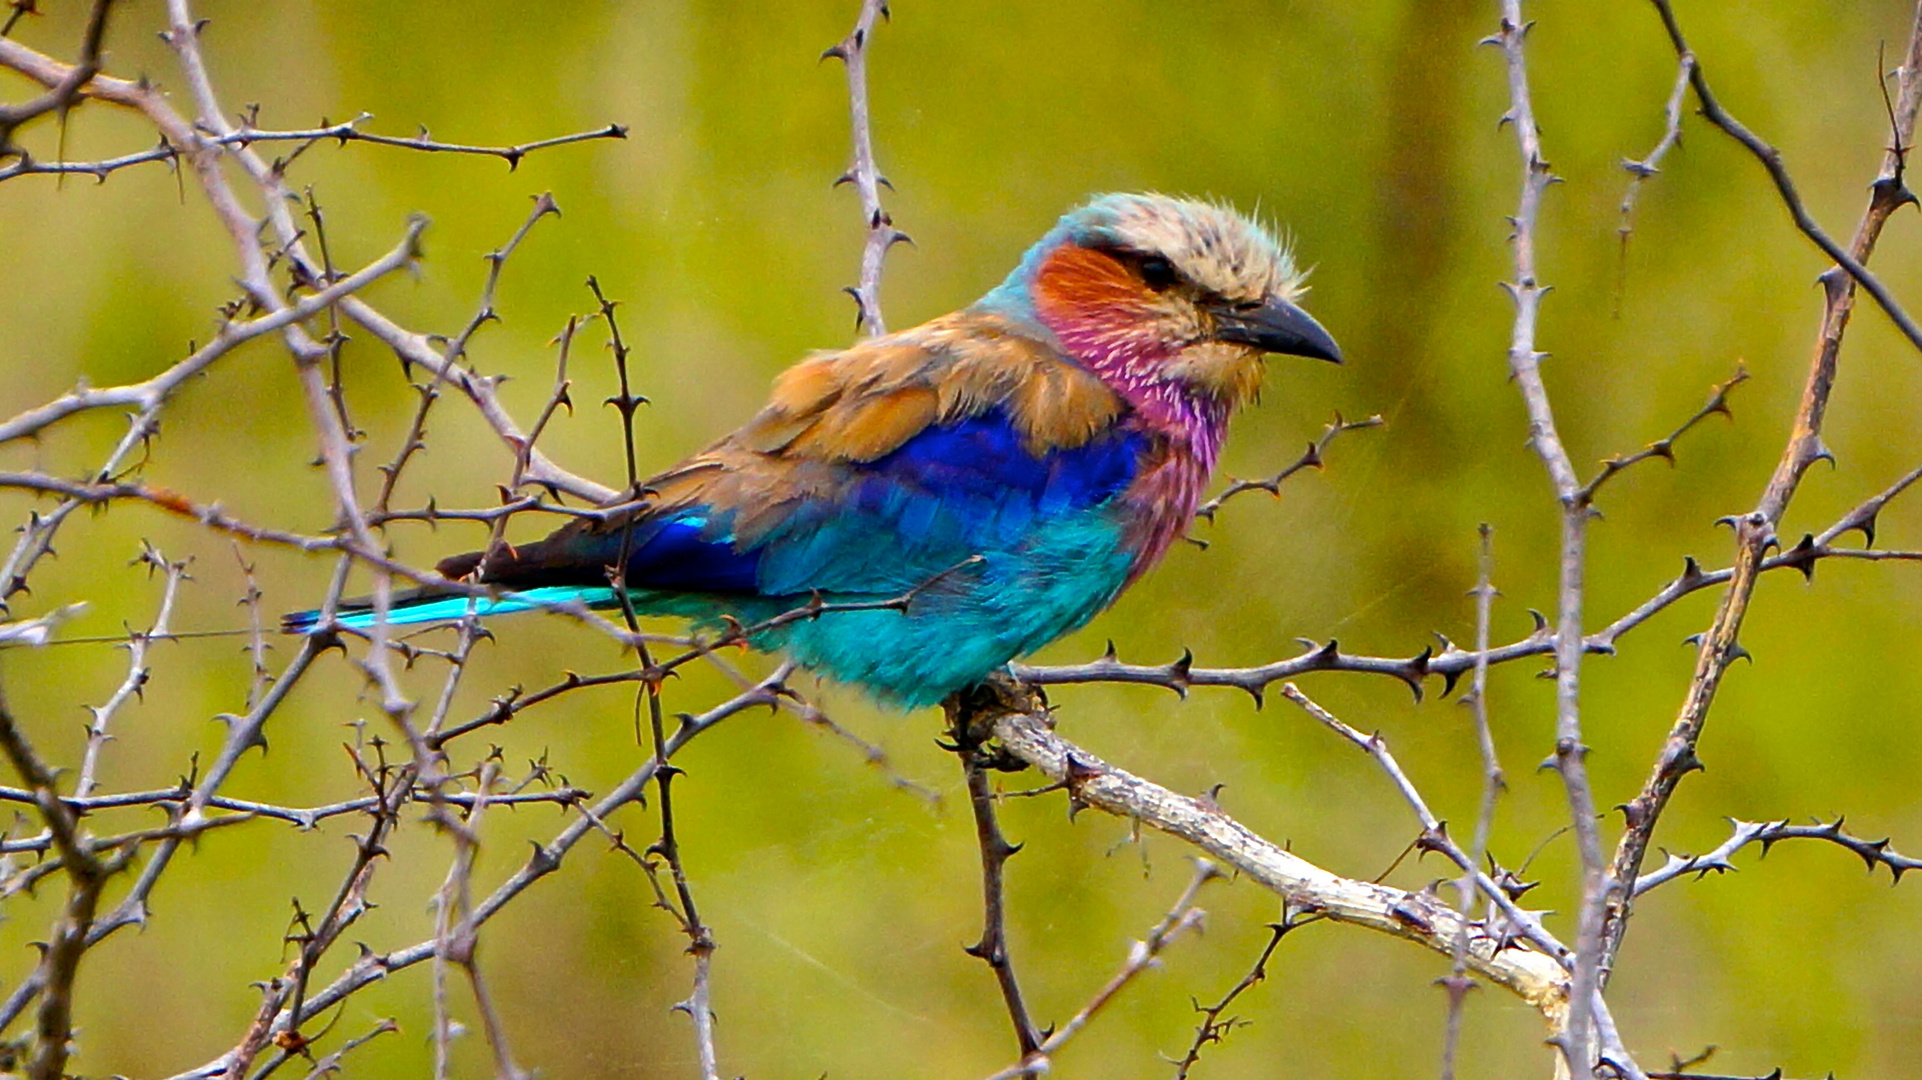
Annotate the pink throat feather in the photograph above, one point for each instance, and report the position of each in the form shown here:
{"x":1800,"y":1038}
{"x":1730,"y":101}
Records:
{"x":1188,"y":430}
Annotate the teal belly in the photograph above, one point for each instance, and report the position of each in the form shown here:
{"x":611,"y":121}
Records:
{"x":955,"y":631}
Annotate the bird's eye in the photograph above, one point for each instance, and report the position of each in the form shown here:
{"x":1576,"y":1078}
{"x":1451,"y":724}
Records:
{"x":1158,"y":273}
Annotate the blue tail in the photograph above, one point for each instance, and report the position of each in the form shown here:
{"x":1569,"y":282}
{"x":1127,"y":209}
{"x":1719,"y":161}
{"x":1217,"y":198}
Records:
{"x":360,"y":615}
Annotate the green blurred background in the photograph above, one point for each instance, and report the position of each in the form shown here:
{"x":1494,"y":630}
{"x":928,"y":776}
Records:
{"x":1368,"y":131}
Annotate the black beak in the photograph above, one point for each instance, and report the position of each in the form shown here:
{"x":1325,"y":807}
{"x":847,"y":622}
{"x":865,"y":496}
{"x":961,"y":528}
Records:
{"x":1277,"y":327}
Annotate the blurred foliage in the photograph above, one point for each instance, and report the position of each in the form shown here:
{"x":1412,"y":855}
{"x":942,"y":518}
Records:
{"x":1366,"y":130}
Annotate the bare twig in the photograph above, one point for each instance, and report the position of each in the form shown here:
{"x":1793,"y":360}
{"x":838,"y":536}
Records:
{"x":1639,"y":172}
{"x":38,"y":631}
{"x":1310,"y":458}
{"x":1182,"y":916}
{"x":449,"y":367}
{"x":699,"y":1005}
{"x":256,"y":633}
{"x":969,"y":735}
{"x":457,"y":941}
{"x":372,"y":967}
{"x":344,"y":133}
{"x":1755,"y":531}
{"x":1664,"y":447}
{"x":349,"y":131}
{"x":302,"y":817}
{"x":627,"y":401}
{"x":852,"y":51}
{"x":1873,"y":853}
{"x":1434,"y":836}
{"x":1852,"y":261}
{"x":1524,"y":362}
{"x":138,"y":671}
{"x":25,"y":164}
{"x":1021,"y":725}
{"x":330,"y":1065}
{"x":1215,"y":1026}
{"x":1457,"y":984}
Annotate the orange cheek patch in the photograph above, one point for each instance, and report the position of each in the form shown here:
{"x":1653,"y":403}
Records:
{"x":1081,"y":284}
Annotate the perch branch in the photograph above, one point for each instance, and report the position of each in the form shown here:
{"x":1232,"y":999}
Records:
{"x":1022,"y":726}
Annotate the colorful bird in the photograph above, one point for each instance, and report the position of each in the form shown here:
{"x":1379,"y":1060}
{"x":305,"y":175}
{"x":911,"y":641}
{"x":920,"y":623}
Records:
{"x":1014,"y":465}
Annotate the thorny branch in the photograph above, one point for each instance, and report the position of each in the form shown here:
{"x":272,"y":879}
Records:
{"x":1023,"y":728}
{"x":1144,"y":955}
{"x":1216,"y":1023}
{"x":1310,"y":458}
{"x":968,"y":715}
{"x":1508,"y":947}
{"x":138,"y":671}
{"x":1524,"y":362}
{"x":1873,"y":853}
{"x":1639,"y":172}
{"x":1755,"y":531}
{"x":343,"y":133}
{"x":1449,"y":662}
{"x":852,"y":51}
{"x":1664,"y":447}
{"x":199,"y":142}
{"x":1434,"y":835}
{"x":372,"y":967}
{"x":1456,"y":983}
{"x":1852,"y":261}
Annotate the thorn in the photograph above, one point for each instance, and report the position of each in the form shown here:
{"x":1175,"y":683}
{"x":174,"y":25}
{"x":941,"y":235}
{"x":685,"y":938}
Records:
{"x":1821,"y":452}
{"x":1178,"y":672}
{"x":1867,"y":528}
{"x":1685,"y":761}
{"x":1415,"y":670}
{"x":1802,"y":556}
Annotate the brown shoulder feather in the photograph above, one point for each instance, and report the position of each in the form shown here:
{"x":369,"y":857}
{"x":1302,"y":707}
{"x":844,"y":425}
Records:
{"x":859,"y":404}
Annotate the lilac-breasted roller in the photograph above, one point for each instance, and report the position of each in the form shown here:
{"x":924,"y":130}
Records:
{"x":1014,"y":465}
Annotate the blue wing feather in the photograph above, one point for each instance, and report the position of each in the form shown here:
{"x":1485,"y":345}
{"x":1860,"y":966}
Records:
{"x":1048,"y":528}
{"x":949,"y":493}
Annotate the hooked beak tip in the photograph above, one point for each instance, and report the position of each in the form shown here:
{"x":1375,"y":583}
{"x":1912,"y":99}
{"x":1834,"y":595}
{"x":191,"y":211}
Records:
{"x":1278,"y":327}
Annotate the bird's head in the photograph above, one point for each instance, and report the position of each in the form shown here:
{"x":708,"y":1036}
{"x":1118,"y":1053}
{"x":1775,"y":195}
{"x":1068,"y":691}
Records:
{"x":1166,"y":297}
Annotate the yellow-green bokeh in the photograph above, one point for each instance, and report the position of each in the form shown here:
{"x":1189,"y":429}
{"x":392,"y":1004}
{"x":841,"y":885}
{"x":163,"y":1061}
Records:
{"x":1368,"y":131}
